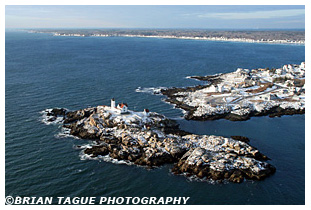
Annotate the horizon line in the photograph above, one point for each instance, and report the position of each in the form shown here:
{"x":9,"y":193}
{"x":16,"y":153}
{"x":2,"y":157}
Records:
{"x":156,"y":28}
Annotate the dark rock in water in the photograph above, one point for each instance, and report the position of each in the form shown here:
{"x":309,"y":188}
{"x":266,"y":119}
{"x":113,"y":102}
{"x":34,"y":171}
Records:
{"x":52,"y":119}
{"x":57,"y":112}
{"x":274,"y":112}
{"x":259,"y":175}
{"x":279,"y":112}
{"x":97,"y":150}
{"x":73,"y":116}
{"x":241,"y":138}
{"x":81,"y":132}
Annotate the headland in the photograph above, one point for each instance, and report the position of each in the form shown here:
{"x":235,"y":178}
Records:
{"x":252,"y":36}
{"x":242,"y":94}
{"x":150,"y":139}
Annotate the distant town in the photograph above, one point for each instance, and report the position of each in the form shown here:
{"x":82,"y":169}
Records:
{"x":266,"y":36}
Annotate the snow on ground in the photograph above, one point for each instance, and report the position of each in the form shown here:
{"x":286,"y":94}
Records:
{"x":237,"y":100}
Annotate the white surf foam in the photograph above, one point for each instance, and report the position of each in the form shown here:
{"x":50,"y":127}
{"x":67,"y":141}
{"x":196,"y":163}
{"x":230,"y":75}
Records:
{"x":105,"y":158}
{"x":46,"y":119}
{"x":65,"y":133}
{"x":152,"y":90}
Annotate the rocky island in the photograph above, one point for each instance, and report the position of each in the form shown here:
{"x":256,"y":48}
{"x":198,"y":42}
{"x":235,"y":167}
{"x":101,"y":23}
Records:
{"x":150,"y":139}
{"x":242,"y":94}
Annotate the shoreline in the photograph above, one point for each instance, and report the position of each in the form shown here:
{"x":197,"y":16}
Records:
{"x":185,"y":37}
{"x":220,"y":39}
{"x":224,"y":39}
{"x":240,"y":95}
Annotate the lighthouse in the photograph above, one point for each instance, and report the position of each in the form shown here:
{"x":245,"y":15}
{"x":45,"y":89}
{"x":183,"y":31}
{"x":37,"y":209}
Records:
{"x":113,"y":103}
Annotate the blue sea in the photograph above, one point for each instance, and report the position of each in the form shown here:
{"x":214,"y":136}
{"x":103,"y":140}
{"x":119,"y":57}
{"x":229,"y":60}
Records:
{"x":44,"y":71}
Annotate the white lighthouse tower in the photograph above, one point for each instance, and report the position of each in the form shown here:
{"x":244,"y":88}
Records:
{"x":113,"y":103}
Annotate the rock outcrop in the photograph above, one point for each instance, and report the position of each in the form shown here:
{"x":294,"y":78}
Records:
{"x":240,"y":95}
{"x":153,"y":140}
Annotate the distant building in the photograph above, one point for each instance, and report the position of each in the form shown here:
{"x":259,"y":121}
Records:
{"x":146,"y":112}
{"x":284,"y":91}
{"x":289,"y":76}
{"x":266,"y":73}
{"x":265,"y":97}
{"x":220,"y":88}
{"x":291,"y":90}
{"x":290,"y":68}
{"x":238,"y":72}
{"x":212,"y":88}
{"x":254,"y":71}
{"x":285,"y":68}
{"x":273,"y":96}
{"x":278,"y":71}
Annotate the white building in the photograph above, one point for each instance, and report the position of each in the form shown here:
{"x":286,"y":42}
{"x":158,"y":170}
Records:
{"x":266,"y":73}
{"x":220,"y":88}
{"x":285,"y":68}
{"x":238,"y":72}
{"x":246,"y":71}
{"x":265,"y":97}
{"x":146,"y":112}
{"x":289,"y":76}
{"x":212,"y":88}
{"x":273,"y":96}
{"x":278,"y":71}
{"x":123,"y":108}
{"x":290,"y":68}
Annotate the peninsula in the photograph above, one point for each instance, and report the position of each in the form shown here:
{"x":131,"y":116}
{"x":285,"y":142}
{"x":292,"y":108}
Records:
{"x":150,"y":139}
{"x":242,"y":94}
{"x":258,"y":36}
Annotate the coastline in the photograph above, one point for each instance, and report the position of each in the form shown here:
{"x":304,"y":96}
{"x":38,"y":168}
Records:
{"x":185,"y":37}
{"x":240,"y":95}
{"x":222,"y":39}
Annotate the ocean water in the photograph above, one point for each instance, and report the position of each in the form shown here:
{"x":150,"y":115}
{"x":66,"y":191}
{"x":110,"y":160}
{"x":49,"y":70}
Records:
{"x":43,"y":71}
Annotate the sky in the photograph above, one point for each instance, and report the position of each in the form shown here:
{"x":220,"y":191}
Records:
{"x":207,"y":16}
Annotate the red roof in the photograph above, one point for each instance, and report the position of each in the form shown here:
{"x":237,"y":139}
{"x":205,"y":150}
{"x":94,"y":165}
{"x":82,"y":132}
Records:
{"x":122,"y":105}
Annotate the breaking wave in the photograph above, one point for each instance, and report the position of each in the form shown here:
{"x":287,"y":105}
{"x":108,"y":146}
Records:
{"x":152,"y":90}
{"x":48,"y":120}
{"x":105,"y":158}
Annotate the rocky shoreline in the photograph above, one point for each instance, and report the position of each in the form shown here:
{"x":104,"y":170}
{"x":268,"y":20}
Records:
{"x":222,"y":97}
{"x":275,"y":111}
{"x":151,"y":140}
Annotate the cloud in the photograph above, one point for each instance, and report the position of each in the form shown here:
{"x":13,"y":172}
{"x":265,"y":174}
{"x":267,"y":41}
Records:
{"x":254,"y":14}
